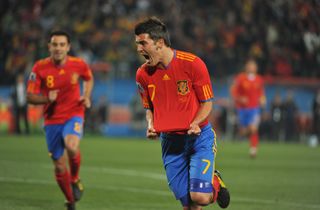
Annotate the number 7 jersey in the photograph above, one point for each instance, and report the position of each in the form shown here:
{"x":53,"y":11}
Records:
{"x":47,"y":76}
{"x":174,"y":94}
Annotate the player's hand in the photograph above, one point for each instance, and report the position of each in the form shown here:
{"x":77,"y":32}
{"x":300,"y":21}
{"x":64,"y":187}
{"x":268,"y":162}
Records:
{"x":151,"y":133}
{"x":85,"y":101}
{"x":243,"y":100}
{"x":194,"y":129}
{"x":52,"y":95}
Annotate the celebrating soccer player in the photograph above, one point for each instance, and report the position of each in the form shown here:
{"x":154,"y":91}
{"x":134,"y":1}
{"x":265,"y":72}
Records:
{"x":54,"y":82}
{"x":176,"y":92}
{"x":248,"y":94}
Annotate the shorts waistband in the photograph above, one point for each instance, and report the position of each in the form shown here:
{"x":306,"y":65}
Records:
{"x":185,"y":132}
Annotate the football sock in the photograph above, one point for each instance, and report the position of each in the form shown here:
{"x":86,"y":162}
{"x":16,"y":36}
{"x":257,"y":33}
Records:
{"x":64,"y":182}
{"x":254,"y":140}
{"x":74,"y":163}
{"x":216,"y":188}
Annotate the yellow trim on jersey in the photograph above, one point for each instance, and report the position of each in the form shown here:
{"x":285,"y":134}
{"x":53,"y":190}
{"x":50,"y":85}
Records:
{"x":214,"y":147}
{"x":207,"y":92}
{"x":185,"y":56}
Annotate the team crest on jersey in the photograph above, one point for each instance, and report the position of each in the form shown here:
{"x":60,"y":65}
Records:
{"x":140,"y":88}
{"x":32,"y":76}
{"x":74,"y":78}
{"x":182,"y":87}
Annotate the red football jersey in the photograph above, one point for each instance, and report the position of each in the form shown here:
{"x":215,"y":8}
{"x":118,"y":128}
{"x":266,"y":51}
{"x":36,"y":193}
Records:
{"x":175,"y":93}
{"x":250,"y":88}
{"x":46,"y":76}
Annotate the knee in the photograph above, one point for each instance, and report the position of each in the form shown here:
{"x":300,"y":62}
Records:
{"x":71,"y":145}
{"x":59,"y":167}
{"x":201,"y":199}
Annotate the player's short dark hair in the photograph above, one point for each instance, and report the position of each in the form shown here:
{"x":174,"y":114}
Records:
{"x":59,"y":33}
{"x":155,"y":28}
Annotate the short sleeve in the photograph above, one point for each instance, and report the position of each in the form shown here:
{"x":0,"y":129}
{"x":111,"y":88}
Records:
{"x":201,"y":81}
{"x":143,"y":90}
{"x":34,"y":81}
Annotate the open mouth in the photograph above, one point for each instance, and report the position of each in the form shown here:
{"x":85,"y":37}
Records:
{"x":147,"y":57}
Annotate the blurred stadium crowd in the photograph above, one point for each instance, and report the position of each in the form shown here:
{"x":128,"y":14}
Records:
{"x":284,"y":35}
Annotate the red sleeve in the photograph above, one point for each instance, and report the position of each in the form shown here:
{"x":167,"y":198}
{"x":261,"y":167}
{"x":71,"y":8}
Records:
{"x":235,"y":87}
{"x":34,"y":81}
{"x":143,"y":90}
{"x":86,"y":73}
{"x":201,"y":81}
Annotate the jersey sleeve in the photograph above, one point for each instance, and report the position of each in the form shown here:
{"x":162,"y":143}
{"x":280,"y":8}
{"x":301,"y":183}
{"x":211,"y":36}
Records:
{"x":34,"y":81}
{"x":201,"y":81}
{"x":143,"y":90}
{"x":234,"y":90}
{"x":86,"y":73}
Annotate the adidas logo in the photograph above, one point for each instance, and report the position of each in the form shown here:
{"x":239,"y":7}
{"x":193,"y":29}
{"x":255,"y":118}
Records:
{"x":166,"y":77}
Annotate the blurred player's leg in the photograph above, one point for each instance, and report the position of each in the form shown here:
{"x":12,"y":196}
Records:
{"x":254,"y":140}
{"x":72,"y":134}
{"x":77,"y":186}
{"x":63,"y":178}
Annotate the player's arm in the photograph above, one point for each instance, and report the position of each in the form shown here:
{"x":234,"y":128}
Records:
{"x":234,"y":92}
{"x":87,"y":84}
{"x":33,"y":90}
{"x":203,"y":114}
{"x":87,"y":90}
{"x":262,"y":99}
{"x":37,"y":99}
{"x":203,"y":90}
{"x":151,"y":132}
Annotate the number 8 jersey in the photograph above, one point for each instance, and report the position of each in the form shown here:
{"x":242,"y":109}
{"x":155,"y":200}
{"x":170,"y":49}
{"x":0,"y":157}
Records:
{"x":47,"y":76}
{"x":174,"y":94}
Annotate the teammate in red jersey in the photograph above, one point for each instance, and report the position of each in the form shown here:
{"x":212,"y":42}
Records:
{"x":176,"y":92}
{"x":54,"y":83}
{"x":248,"y":94}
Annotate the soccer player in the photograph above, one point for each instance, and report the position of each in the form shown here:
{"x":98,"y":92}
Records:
{"x":54,"y":83}
{"x":247,"y":92}
{"x":176,"y":92}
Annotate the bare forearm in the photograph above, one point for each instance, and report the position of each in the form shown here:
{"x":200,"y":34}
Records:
{"x":87,"y":88}
{"x":203,"y":112}
{"x":149,"y":117}
{"x":37,"y":99}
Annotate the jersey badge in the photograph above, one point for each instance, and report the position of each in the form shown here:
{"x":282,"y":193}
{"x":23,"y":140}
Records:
{"x":140,"y":88}
{"x":182,"y":87}
{"x":32,"y":76}
{"x":74,"y":78}
{"x":61,"y":72}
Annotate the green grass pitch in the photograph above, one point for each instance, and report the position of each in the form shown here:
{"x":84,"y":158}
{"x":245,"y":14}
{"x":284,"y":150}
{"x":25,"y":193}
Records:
{"x":127,"y":174}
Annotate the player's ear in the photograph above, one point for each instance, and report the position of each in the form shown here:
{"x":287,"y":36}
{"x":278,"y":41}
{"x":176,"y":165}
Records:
{"x":68,"y":47}
{"x":160,"y":43}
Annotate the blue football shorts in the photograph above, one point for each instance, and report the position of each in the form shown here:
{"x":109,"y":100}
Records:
{"x":56,"y":133}
{"x":189,"y":161}
{"x":249,"y":116}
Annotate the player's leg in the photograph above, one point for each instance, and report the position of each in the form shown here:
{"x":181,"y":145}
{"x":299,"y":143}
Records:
{"x":205,"y":185}
{"x":176,"y":166}
{"x":72,"y":134}
{"x":243,"y":122}
{"x":56,"y":150}
{"x":254,"y":121}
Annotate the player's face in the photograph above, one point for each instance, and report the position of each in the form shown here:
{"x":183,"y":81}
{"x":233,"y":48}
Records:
{"x":149,"y":49}
{"x":59,"y":48}
{"x":251,"y":67}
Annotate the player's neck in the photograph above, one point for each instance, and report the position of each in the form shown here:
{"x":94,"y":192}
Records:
{"x":59,"y":62}
{"x":167,"y":56}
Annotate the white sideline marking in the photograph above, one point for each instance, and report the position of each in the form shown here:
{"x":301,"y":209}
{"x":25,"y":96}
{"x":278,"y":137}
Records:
{"x":162,"y":193}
